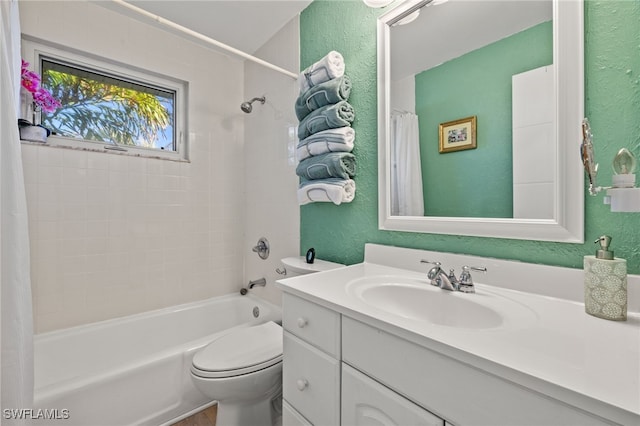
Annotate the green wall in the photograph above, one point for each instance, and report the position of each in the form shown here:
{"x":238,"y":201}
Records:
{"x":612,"y":94}
{"x":477,"y":83}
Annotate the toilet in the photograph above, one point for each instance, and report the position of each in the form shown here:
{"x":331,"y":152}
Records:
{"x":298,"y":265}
{"x":242,"y":369}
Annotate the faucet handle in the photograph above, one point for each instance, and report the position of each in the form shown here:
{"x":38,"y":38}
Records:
{"x":466,"y":282}
{"x":434,"y":272}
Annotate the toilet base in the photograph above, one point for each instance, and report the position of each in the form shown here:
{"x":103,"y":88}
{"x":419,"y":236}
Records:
{"x":262,"y":412}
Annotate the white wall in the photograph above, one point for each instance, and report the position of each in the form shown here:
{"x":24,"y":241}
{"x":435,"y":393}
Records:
{"x":113,"y":235}
{"x":534,"y":147}
{"x":271,"y":205}
{"x":404,"y":94}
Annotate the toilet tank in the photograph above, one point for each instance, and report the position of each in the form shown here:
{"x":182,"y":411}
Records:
{"x":298,"y":266}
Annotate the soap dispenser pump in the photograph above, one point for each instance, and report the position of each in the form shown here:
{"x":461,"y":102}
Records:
{"x":605,"y":283}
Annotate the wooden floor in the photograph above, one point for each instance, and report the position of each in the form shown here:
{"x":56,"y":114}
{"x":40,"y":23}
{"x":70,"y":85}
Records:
{"x":206,"y":417}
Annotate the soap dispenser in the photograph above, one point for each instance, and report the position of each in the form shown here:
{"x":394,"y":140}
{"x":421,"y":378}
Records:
{"x":605,"y":283}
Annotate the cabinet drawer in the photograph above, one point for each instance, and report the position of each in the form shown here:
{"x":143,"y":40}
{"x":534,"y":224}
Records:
{"x":366,"y":402}
{"x":311,"y":381}
{"x":453,"y":390}
{"x":312,"y":323}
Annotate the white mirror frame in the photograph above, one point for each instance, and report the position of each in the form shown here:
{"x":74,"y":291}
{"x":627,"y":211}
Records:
{"x":568,"y":223}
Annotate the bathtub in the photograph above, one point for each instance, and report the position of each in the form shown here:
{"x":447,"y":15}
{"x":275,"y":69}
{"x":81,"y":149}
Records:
{"x":134,"y":370}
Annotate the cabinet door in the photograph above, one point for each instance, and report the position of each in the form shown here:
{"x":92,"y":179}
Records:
{"x":366,"y":402}
{"x":290,"y":417}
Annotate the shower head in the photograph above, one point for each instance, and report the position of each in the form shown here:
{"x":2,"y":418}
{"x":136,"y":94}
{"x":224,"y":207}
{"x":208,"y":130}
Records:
{"x":246,"y":106}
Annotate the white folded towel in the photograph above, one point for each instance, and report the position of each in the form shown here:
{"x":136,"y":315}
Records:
{"x":332,"y":190}
{"x":327,"y":68}
{"x":331,"y":140}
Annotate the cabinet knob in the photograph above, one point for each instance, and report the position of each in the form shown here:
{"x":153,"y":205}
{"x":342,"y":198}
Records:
{"x":302,"y":384}
{"x":302,"y":322}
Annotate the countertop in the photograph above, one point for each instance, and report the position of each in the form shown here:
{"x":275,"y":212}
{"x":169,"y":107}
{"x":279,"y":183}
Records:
{"x":557,"y":350}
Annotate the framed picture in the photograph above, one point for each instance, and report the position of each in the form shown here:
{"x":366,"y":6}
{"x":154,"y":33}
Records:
{"x":458,"y":135}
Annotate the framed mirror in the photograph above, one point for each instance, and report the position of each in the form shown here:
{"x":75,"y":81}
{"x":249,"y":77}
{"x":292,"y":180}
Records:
{"x":480,"y":104}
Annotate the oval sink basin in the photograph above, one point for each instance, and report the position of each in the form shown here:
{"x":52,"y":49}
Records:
{"x":416,"y":299}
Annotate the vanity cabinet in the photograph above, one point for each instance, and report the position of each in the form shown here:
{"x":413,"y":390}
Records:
{"x":338,"y":370}
{"x":311,"y":365}
{"x":461,"y":393}
{"x":366,"y":402}
{"x":318,"y":389}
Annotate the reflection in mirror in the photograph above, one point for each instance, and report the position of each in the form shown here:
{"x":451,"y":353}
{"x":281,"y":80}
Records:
{"x":504,"y":65}
{"x":494,"y":61}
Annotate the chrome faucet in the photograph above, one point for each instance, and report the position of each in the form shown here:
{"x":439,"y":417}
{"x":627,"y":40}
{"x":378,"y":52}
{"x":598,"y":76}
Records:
{"x":438,"y":277}
{"x":259,"y":282}
{"x":449,"y":282}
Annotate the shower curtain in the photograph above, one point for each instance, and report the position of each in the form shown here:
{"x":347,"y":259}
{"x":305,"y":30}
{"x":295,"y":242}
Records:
{"x":16,"y":318}
{"x":407,"y":198}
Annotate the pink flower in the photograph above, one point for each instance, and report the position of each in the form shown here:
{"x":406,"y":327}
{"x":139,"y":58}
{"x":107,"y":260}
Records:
{"x":41,"y":96}
{"x":30,"y":81}
{"x":45,"y":101}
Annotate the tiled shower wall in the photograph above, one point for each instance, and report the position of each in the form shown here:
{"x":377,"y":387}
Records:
{"x":270,"y":173}
{"x":113,"y":235}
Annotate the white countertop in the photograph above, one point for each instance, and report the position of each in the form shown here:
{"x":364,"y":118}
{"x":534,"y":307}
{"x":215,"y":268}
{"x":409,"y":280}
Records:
{"x":558,"y":350}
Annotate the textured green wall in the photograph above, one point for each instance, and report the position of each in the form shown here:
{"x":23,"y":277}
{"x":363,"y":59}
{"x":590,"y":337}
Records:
{"x":612,"y":75}
{"x":477,"y":83}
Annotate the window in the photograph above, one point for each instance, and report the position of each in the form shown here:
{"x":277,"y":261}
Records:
{"x":108,"y":106}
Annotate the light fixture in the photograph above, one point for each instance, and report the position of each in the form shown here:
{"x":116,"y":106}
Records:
{"x":377,"y":3}
{"x":408,"y":19}
{"x":622,"y":195}
{"x":624,"y":166}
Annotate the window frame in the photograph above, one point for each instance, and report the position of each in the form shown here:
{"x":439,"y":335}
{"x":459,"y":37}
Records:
{"x":34,"y":49}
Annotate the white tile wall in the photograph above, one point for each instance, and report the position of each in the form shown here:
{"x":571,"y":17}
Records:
{"x":271,"y":205}
{"x":112,"y":234}
{"x":534,"y":152}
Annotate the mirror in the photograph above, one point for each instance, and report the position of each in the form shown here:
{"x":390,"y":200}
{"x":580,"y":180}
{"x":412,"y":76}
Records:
{"x":481,"y":88}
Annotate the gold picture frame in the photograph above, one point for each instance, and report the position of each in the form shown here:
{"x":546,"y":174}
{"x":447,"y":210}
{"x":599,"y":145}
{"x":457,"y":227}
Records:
{"x":458,"y":135}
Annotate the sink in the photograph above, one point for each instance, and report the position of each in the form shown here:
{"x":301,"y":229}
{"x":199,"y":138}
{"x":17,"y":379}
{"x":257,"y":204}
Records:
{"x":416,"y":299}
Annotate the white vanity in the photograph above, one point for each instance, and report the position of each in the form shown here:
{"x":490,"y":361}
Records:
{"x":375,"y":343}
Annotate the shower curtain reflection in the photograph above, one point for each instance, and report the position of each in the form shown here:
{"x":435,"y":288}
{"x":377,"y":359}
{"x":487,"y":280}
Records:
{"x":16,"y":337}
{"x":406,"y":172}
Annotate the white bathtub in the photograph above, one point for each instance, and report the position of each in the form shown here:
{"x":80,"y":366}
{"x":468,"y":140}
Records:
{"x":134,"y":370}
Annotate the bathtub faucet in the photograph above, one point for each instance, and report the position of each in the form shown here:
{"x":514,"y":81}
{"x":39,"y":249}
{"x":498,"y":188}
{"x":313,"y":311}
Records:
{"x":260,"y":282}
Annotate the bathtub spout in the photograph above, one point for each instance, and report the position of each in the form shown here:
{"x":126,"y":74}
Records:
{"x":260,"y":282}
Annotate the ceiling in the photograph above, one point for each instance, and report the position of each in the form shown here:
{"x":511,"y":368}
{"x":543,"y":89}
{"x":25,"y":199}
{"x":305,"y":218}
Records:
{"x":243,"y":24}
{"x":449,"y":29}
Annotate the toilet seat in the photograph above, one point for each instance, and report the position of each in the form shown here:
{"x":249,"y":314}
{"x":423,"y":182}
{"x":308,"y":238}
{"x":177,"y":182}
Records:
{"x":239,"y":352}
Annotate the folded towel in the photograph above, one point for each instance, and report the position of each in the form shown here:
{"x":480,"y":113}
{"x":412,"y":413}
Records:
{"x":330,"y":140}
{"x":329,"y":92}
{"x":333,"y":116}
{"x":332,"y":165}
{"x":331,"y":66}
{"x":334,"y":190}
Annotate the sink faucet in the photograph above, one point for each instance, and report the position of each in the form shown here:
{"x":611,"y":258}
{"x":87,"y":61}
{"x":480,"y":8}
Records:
{"x":438,"y":277}
{"x":449,"y":282}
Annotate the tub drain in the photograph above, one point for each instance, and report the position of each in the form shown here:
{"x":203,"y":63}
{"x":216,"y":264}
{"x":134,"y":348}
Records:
{"x":256,"y":312}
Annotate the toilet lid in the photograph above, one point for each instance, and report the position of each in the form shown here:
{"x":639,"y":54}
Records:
{"x":240,"y":351}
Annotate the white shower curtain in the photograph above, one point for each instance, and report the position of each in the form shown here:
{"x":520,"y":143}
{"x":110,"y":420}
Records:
{"x":16,"y":332}
{"x":407,"y":198}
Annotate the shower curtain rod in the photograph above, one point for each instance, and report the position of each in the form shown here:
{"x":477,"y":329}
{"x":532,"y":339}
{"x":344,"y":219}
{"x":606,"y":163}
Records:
{"x":165,"y":22}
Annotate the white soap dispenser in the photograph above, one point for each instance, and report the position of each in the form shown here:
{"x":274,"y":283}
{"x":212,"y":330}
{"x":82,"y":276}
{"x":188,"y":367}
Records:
{"x":605,"y":283}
